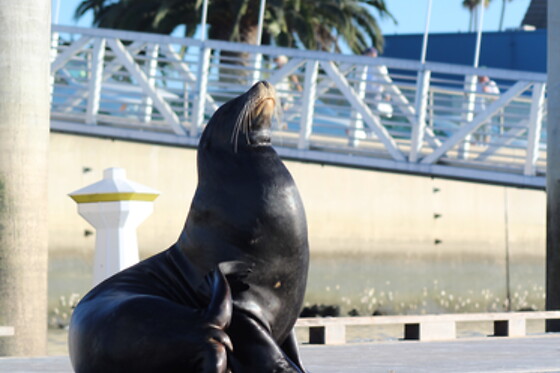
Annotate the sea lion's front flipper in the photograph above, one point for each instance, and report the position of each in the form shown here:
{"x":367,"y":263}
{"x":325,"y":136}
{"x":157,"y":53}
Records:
{"x":220,"y":308}
{"x":290,"y":348}
{"x":225,"y":278}
{"x":254,"y":349}
{"x":236,"y":271}
{"x":236,"y":268}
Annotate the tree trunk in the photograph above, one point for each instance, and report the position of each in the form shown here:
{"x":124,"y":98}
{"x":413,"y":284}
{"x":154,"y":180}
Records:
{"x":24,"y":137}
{"x":502,"y":15}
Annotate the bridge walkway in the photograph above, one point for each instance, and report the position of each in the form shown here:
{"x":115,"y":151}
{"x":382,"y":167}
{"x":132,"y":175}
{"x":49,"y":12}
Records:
{"x":356,"y":111}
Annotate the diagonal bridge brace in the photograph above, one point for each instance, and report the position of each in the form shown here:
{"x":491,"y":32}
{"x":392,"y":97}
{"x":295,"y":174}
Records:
{"x":367,"y":115}
{"x":134,"y":70}
{"x":517,"y":89}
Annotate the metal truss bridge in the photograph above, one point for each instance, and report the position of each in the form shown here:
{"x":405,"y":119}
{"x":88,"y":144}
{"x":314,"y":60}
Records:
{"x":353,"y":111}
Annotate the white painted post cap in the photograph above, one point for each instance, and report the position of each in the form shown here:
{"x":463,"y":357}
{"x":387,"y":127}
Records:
{"x":114,"y":187}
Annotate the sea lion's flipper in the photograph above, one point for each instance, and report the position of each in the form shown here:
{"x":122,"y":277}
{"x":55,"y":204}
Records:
{"x":255,"y":349}
{"x":236,"y":268}
{"x":230,"y":274}
{"x":236,"y":272}
{"x":220,"y":307}
{"x":290,"y":348}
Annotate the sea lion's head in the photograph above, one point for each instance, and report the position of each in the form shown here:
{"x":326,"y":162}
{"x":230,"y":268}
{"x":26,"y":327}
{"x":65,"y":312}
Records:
{"x":244,"y":121}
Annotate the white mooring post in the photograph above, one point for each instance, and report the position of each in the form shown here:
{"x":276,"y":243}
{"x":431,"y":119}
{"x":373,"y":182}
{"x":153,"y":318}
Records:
{"x":115,"y":207}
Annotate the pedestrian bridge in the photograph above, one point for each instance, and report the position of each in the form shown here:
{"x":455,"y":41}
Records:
{"x":354,"y":111}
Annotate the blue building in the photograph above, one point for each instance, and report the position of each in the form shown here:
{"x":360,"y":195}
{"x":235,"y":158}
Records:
{"x":515,"y":50}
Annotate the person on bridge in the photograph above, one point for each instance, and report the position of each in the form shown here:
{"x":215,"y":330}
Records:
{"x":285,"y":88}
{"x":485,"y":88}
{"x":376,"y":85}
{"x":371,"y":88}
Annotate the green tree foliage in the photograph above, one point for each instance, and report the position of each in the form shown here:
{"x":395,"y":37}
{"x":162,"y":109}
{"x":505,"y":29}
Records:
{"x":311,"y":24}
{"x":471,"y":6}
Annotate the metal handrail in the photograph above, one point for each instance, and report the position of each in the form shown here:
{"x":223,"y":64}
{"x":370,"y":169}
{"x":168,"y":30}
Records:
{"x":357,"y":111}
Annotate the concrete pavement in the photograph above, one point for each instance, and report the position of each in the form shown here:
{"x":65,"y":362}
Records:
{"x":539,"y":353}
{"x":519,"y":355}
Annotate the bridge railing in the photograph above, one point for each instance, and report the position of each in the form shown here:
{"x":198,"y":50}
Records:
{"x":353,"y":110}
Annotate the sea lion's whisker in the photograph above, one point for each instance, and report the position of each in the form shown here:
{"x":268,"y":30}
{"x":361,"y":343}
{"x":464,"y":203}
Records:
{"x":247,"y":124}
{"x":246,"y":116}
{"x":278,"y":114}
{"x":233,"y":138}
{"x":239,"y":124}
{"x":235,"y":133}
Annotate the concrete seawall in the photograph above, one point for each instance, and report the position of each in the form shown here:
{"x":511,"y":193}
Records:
{"x":348,"y":210}
{"x":379,"y":241}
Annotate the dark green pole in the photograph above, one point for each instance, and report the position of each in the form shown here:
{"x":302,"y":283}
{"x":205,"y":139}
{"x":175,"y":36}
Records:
{"x":553,"y":166}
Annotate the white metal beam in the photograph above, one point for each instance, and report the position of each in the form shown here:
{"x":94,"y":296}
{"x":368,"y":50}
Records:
{"x":409,"y":111}
{"x":510,"y":136}
{"x":419,"y":128}
{"x":69,"y":52}
{"x":356,"y":126}
{"x":201,"y":90}
{"x":535,"y":126}
{"x":285,"y":71}
{"x":309,"y":91}
{"x":468,"y":112}
{"x":114,"y":66}
{"x":186,"y":73}
{"x":94,"y":90}
{"x":304,"y":54}
{"x":108,"y":71}
{"x":344,"y":69}
{"x":151,"y":68}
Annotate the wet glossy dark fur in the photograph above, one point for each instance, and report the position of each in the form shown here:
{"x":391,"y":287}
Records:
{"x":174,"y":312}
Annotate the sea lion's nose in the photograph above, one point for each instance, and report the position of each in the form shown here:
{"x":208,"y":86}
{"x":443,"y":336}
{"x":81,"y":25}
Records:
{"x":263,"y":85}
{"x":263,"y":89}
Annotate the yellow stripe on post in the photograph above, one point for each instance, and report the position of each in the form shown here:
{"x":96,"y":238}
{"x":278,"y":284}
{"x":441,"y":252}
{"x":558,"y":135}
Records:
{"x":113,"y":197}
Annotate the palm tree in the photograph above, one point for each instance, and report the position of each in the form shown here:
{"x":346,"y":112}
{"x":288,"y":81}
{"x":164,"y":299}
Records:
{"x":320,"y":24}
{"x":312,"y":24}
{"x":144,"y":15}
{"x":502,"y":14}
{"x":472,"y":6}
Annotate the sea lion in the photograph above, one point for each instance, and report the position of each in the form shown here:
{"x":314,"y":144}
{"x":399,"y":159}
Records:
{"x":149,"y":318}
{"x":226,"y":296}
{"x":247,"y":208}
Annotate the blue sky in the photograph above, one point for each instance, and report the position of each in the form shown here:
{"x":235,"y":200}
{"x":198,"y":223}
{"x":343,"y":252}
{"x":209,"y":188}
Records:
{"x":447,"y":15}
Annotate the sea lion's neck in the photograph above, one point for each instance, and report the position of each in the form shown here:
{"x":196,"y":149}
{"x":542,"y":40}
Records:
{"x":234,"y":192}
